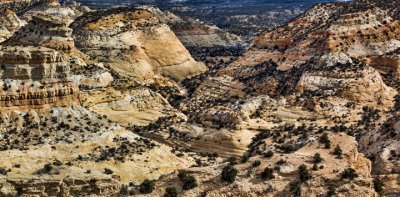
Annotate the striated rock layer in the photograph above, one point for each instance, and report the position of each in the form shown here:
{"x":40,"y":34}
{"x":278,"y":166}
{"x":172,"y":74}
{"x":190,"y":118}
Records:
{"x":141,"y":46}
{"x":49,"y":30}
{"x":35,"y":77}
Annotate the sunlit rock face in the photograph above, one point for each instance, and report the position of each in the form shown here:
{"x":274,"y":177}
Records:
{"x":10,"y":24}
{"x":96,"y":102}
{"x":49,"y":31}
{"x":141,"y":46}
{"x":24,"y":63}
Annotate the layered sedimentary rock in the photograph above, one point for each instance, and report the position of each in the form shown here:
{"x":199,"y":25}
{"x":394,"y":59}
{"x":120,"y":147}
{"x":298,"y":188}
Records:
{"x":27,"y":96}
{"x":365,"y":86}
{"x":55,"y":146}
{"x":33,"y":63}
{"x":49,"y":30}
{"x":385,"y":63}
{"x":382,"y":147}
{"x":84,"y":154}
{"x":366,"y":33}
{"x":311,"y":93}
{"x":139,"y":106}
{"x":194,"y":33}
{"x":16,"y":5}
{"x":330,"y":61}
{"x":35,"y":77}
{"x":140,"y":45}
{"x":10,"y":24}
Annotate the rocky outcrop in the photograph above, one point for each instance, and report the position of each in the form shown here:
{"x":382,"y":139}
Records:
{"x":49,"y":30}
{"x":194,"y":33}
{"x":385,"y":63}
{"x":35,"y":77}
{"x":304,"y":94}
{"x":382,"y":146}
{"x":285,"y":174}
{"x":26,"y":96}
{"x":371,"y":32}
{"x":10,"y":24}
{"x":17,"y":5}
{"x":365,"y":86}
{"x":137,"y":107}
{"x":101,"y":186}
{"x":141,"y":46}
{"x":336,"y":65}
{"x":73,"y":151}
{"x":30,"y":63}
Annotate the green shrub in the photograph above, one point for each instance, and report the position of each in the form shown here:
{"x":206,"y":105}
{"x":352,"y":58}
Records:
{"x":245,"y":158}
{"x":146,"y":187}
{"x":269,"y":154}
{"x":378,"y":185}
{"x":328,"y":145}
{"x":268,"y":174}
{"x":331,"y":191}
{"x":171,"y":192}
{"x":338,"y":151}
{"x":203,"y":194}
{"x":315,"y":167}
{"x":108,"y":171}
{"x":229,"y":174}
{"x":182,"y":174}
{"x":324,"y":139}
{"x":317,"y":158}
{"x":232,"y":160}
{"x":256,"y":163}
{"x":295,"y":188}
{"x":349,"y":173}
{"x":47,"y":168}
{"x":189,"y":182}
{"x":304,"y":175}
{"x":3,"y":171}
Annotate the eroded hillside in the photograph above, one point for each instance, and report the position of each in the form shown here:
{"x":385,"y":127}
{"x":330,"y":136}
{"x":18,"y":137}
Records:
{"x":96,"y":102}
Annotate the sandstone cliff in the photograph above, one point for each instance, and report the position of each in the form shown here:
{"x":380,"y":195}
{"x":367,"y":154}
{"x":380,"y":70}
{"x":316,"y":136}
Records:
{"x":10,"y":24}
{"x":95,"y":103}
{"x":141,"y":46}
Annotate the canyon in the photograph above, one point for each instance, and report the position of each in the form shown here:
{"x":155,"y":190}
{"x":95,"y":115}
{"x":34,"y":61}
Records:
{"x":138,"y":101}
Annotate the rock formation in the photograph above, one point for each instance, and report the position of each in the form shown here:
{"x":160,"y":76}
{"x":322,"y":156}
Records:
{"x":96,"y":102}
{"x":10,"y":24}
{"x":35,"y":77}
{"x":47,"y":30}
{"x":53,"y":144}
{"x":194,"y":33}
{"x":136,"y":40}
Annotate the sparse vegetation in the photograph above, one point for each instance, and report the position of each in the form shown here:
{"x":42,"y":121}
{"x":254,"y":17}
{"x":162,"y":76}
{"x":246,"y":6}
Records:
{"x":189,"y":181}
{"x":229,"y":174}
{"x":378,"y":185}
{"x":269,"y":154}
{"x":305,"y":104}
{"x":108,"y":171}
{"x":338,"y":151}
{"x":324,"y":139}
{"x":171,"y":192}
{"x":349,"y":173}
{"x":304,"y":175}
{"x":256,"y":163}
{"x":317,"y":158}
{"x":146,"y":187}
{"x":268,"y":173}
